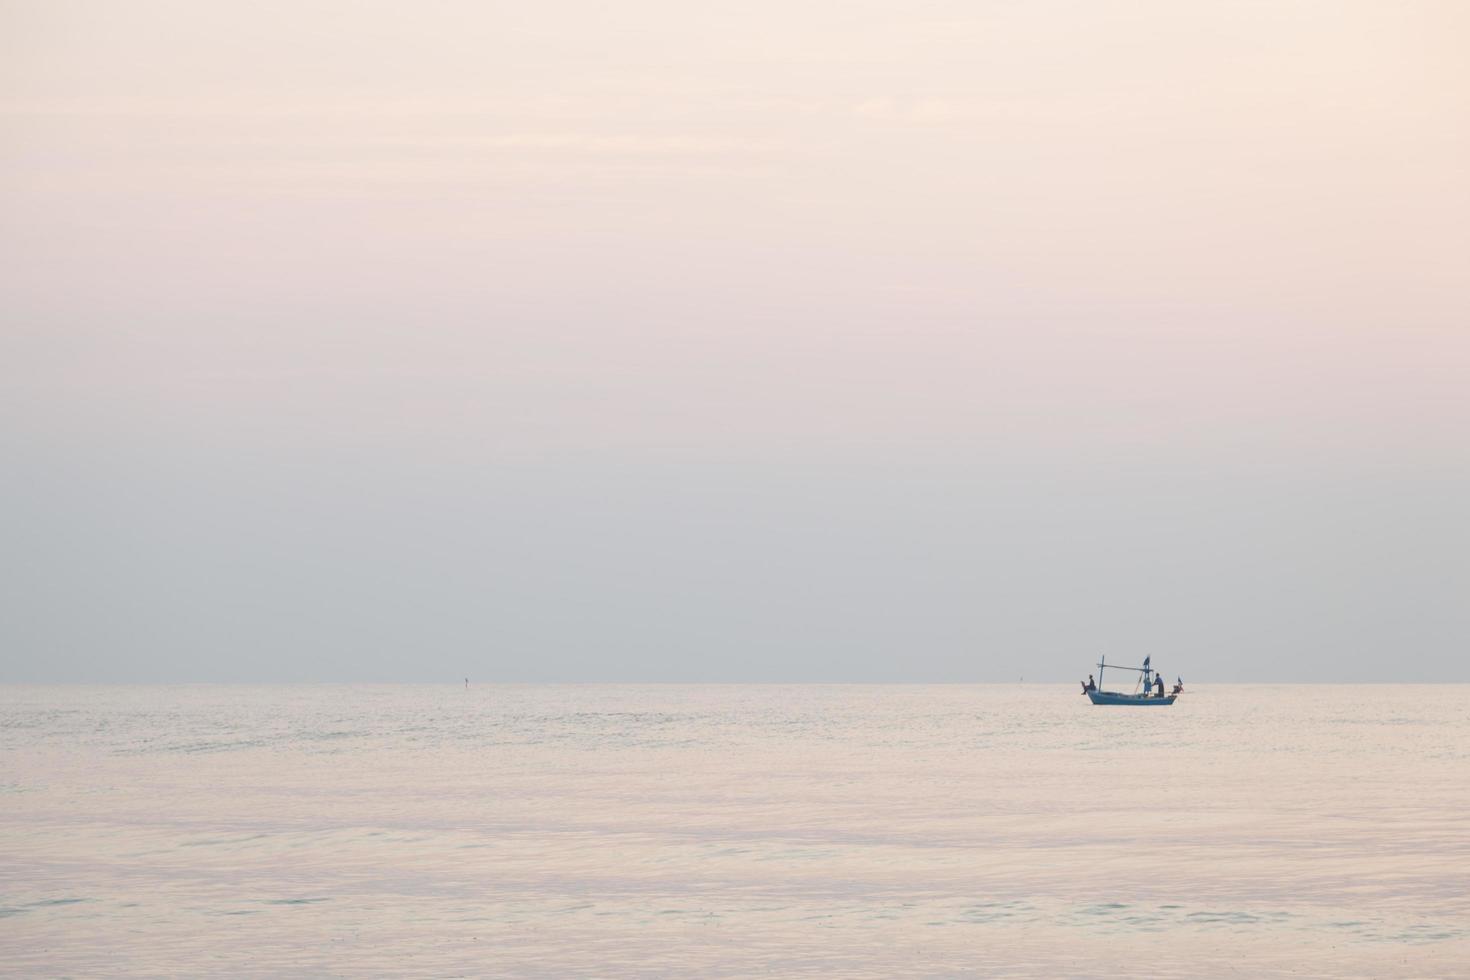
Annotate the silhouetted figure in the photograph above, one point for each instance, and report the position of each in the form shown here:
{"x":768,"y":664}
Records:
{"x":1178,"y":687}
{"x":1159,"y":686}
{"x":1089,"y":684}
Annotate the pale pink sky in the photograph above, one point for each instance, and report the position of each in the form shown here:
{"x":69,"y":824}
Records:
{"x":1229,"y":233}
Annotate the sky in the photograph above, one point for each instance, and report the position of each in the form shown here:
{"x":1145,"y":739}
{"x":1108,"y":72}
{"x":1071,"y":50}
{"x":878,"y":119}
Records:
{"x":758,"y":341}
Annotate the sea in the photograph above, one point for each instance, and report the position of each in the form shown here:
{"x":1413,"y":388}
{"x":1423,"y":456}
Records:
{"x":733,"y":831}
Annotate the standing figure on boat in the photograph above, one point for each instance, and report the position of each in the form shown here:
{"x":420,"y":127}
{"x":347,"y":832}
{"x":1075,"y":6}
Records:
{"x":1159,"y":685}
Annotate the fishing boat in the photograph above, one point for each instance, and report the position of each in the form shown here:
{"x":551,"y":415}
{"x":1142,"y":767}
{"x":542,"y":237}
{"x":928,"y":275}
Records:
{"x":1098,"y":696}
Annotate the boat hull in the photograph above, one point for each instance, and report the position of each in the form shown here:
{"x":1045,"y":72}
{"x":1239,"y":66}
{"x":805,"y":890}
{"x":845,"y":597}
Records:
{"x":1137,"y":700}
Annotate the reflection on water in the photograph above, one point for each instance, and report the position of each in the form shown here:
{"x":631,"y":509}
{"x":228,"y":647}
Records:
{"x":731,"y":830}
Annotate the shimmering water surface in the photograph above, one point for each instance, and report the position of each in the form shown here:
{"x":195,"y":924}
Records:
{"x":733,"y":831}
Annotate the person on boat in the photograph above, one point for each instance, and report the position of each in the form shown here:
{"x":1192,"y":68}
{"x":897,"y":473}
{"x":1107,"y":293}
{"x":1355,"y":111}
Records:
{"x":1089,"y":684}
{"x":1159,"y":685}
{"x":1178,"y":687}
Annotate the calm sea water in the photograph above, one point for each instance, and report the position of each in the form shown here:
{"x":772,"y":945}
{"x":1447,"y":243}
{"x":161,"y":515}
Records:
{"x":733,"y":831}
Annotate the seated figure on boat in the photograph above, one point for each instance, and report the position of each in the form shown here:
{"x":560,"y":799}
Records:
{"x":1178,"y":687}
{"x":1089,"y":684}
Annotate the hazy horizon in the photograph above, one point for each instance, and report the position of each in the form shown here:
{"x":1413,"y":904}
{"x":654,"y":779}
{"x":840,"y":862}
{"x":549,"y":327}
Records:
{"x":761,"y":342}
{"x":1194,"y":687}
